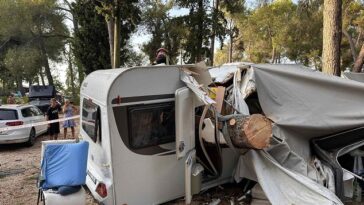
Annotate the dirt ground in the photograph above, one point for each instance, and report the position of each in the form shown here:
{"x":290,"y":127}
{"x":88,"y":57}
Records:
{"x":19,"y":170}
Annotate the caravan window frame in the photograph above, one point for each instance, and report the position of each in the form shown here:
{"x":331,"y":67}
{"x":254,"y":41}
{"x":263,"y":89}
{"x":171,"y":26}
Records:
{"x":94,"y":133}
{"x":124,"y":126}
{"x":150,"y":108}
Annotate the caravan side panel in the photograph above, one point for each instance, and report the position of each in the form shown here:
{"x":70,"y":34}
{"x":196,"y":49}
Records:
{"x":141,"y":120}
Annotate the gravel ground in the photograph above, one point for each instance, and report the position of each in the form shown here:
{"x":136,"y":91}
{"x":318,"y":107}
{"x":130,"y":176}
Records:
{"x":19,"y":169}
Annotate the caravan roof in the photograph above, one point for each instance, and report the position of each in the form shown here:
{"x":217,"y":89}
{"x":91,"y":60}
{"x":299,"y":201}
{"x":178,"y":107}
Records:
{"x":103,"y":80}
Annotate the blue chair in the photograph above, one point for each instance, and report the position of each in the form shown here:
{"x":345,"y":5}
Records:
{"x":63,"y":165}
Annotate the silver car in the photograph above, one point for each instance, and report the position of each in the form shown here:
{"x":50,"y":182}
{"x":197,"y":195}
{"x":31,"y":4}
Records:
{"x":16,"y":115}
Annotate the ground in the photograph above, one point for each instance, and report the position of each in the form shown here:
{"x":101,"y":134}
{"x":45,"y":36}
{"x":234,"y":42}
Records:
{"x":19,"y":170}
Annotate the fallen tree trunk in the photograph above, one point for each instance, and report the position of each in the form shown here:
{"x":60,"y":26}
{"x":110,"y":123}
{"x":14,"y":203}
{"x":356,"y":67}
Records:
{"x":253,"y":132}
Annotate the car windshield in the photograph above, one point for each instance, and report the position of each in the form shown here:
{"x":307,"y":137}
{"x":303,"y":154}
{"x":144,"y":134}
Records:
{"x":6,"y":114}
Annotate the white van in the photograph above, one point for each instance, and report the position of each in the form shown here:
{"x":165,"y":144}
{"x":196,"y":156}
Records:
{"x":140,"y":123}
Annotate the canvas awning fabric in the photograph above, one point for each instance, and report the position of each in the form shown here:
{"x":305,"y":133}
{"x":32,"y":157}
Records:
{"x":303,"y":104}
{"x":354,"y":76}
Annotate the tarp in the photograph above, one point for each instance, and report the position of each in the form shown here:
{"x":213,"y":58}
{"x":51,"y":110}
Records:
{"x":64,"y":164}
{"x":283,"y":186}
{"x":303,"y":104}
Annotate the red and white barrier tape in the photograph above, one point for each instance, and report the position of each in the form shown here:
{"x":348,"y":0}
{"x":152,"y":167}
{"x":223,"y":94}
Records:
{"x":4,"y":129}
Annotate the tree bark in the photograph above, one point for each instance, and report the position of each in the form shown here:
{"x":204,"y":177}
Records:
{"x":110,"y":29}
{"x":41,"y":76}
{"x":200,"y":32}
{"x":212,"y":49}
{"x":273,"y":54}
{"x":231,"y":48}
{"x":331,"y":37}
{"x":117,"y":37}
{"x":46,"y":63}
{"x":351,"y":43}
{"x":358,"y":65}
{"x":19,"y":83}
{"x":253,"y":132}
{"x":72,"y":77}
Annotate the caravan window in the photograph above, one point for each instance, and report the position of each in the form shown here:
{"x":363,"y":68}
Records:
{"x":91,"y":121}
{"x":151,"y":124}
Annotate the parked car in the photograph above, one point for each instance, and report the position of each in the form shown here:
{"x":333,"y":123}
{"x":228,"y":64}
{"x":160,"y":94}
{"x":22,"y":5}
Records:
{"x":41,"y":95}
{"x":15,"y":115}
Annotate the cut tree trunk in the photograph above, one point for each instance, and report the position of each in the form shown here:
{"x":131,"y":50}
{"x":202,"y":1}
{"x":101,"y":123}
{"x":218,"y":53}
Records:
{"x":331,"y":37}
{"x":358,"y":65}
{"x":253,"y":132}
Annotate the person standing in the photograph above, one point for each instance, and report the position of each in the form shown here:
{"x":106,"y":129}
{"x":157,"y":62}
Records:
{"x":69,"y":109}
{"x":11,"y":99}
{"x":52,"y":114}
{"x":162,"y":57}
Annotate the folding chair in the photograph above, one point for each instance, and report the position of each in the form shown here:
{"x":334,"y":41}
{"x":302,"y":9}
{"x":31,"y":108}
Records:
{"x":63,"y":163}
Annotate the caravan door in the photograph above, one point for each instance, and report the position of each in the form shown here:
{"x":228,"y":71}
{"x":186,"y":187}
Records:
{"x":185,"y":122}
{"x":185,"y":135}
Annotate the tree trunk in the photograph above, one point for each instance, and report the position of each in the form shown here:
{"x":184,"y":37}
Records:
{"x":358,"y":65}
{"x":273,"y":54}
{"x":72,"y":77}
{"x":37,"y":80}
{"x":200,"y":31}
{"x":46,"y":63}
{"x":117,"y":41}
{"x":358,"y":38}
{"x":110,"y":29}
{"x":19,"y":83}
{"x":351,"y":43}
{"x":41,"y":76}
{"x":253,"y":132}
{"x":212,"y":49}
{"x":331,"y":37}
{"x":44,"y":56}
{"x":231,"y":48}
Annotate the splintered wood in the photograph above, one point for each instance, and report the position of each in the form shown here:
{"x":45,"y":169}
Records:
{"x":254,"y":132}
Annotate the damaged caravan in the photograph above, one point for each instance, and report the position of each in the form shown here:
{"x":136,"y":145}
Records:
{"x":163,"y":132}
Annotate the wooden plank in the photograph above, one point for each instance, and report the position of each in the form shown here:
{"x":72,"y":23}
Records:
{"x":220,"y":94}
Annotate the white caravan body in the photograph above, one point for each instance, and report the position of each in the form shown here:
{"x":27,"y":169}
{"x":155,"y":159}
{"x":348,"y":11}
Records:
{"x":132,"y":159}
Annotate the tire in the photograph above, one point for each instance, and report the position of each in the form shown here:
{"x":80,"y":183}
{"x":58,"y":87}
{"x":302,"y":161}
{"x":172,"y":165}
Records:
{"x":32,"y":136}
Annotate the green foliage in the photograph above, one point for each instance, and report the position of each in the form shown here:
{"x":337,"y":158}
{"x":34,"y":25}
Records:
{"x":201,"y":23}
{"x":31,"y":34}
{"x":25,"y":99}
{"x":23,"y":62}
{"x":166,"y":31}
{"x":130,"y":17}
{"x":90,"y":44}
